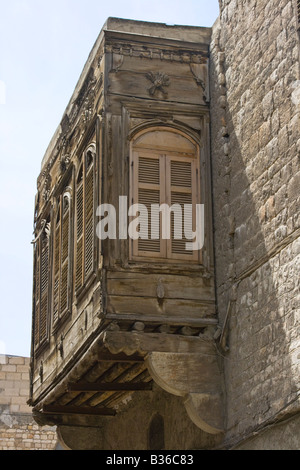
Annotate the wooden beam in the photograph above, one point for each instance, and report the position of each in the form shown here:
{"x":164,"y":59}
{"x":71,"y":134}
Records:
{"x":109,"y":387}
{"x":132,"y":342}
{"x":77,"y":410}
{"x":163,"y":320}
{"x":104,"y":357}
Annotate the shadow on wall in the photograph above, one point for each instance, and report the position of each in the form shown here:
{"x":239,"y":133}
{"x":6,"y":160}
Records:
{"x":255,"y":165}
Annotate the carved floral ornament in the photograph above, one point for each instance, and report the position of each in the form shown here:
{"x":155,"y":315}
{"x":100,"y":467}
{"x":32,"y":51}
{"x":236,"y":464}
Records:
{"x":159,"y":82}
{"x":45,"y":227}
{"x":64,"y":162}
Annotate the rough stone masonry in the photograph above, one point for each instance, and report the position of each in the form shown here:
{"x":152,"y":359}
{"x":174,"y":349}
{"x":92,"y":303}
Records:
{"x":18,"y":430}
{"x":256,"y":177}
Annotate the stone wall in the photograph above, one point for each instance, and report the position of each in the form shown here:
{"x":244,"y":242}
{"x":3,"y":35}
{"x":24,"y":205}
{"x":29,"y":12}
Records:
{"x":255,"y":111}
{"x":18,"y":430}
{"x":135,"y":427}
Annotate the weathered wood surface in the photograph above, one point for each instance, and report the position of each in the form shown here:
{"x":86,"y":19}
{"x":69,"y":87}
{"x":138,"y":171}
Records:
{"x":132,"y":342}
{"x":150,"y":306}
{"x":130,"y":82}
{"x":146,"y":284}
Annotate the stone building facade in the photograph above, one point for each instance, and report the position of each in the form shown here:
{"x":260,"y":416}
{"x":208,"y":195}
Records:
{"x":255,"y":116}
{"x":204,"y":348}
{"x":18,"y":430}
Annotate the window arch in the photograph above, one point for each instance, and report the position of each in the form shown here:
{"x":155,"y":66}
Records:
{"x":62,"y":266}
{"x":165,"y":169}
{"x":85,"y":218}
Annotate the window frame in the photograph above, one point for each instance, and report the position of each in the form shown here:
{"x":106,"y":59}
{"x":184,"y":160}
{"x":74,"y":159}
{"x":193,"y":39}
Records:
{"x":166,"y":156}
{"x":41,"y":340}
{"x":83,"y":167}
{"x":62,"y":314}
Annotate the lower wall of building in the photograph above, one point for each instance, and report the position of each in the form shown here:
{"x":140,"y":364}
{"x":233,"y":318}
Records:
{"x":255,"y":165}
{"x":280,"y":436}
{"x":18,"y":430}
{"x":149,"y":421}
{"x":24,"y":434}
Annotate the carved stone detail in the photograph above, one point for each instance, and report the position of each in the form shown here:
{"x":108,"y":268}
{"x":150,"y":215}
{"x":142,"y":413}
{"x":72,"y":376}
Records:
{"x":64,"y":162}
{"x":47,"y":187}
{"x":196,"y":378}
{"x":144,"y":52}
{"x":199,"y":72}
{"x":118,"y":60}
{"x":159,"y":82}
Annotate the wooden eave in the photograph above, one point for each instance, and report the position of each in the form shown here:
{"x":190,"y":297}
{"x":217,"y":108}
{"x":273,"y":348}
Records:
{"x":159,"y":42}
{"x":113,"y":368}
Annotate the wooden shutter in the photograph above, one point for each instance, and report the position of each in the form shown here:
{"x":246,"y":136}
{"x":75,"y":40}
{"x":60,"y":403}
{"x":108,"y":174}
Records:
{"x":44,"y":287}
{"x":37,"y":295}
{"x":148,"y":171}
{"x":56,"y":268}
{"x":181,"y":189}
{"x":89,"y":216}
{"x":79,"y":233}
{"x":165,"y":170}
{"x":64,"y":278}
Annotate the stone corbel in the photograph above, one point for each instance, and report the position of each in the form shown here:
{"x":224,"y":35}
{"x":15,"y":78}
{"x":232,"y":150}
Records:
{"x":183,"y":366}
{"x":196,"y":379}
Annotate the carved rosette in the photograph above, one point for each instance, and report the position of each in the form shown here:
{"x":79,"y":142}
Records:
{"x":159,"y":82}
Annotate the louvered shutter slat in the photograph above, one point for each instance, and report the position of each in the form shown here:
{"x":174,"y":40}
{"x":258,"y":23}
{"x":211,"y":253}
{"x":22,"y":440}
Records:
{"x":37,"y":295}
{"x":64,"y":289}
{"x":148,"y":181}
{"x":149,"y":197}
{"x":89,"y":235}
{"x":181,"y":193}
{"x":56,"y":271}
{"x":79,"y":236}
{"x":178,"y":246}
{"x":44,"y":289}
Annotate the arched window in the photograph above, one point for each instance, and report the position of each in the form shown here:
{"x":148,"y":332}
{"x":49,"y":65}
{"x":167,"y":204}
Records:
{"x":165,"y":170}
{"x":42,"y":282}
{"x":62,"y":260}
{"x":85,"y":218}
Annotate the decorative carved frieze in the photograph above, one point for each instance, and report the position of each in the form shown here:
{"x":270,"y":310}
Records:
{"x":169,"y":55}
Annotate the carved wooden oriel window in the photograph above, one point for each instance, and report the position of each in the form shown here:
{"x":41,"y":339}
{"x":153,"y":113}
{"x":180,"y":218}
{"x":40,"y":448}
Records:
{"x":42,"y":282}
{"x":85,"y":218}
{"x":62,"y":260}
{"x":165,"y":170}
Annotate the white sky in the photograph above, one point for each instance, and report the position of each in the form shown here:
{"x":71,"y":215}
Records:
{"x":43,"y":48}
